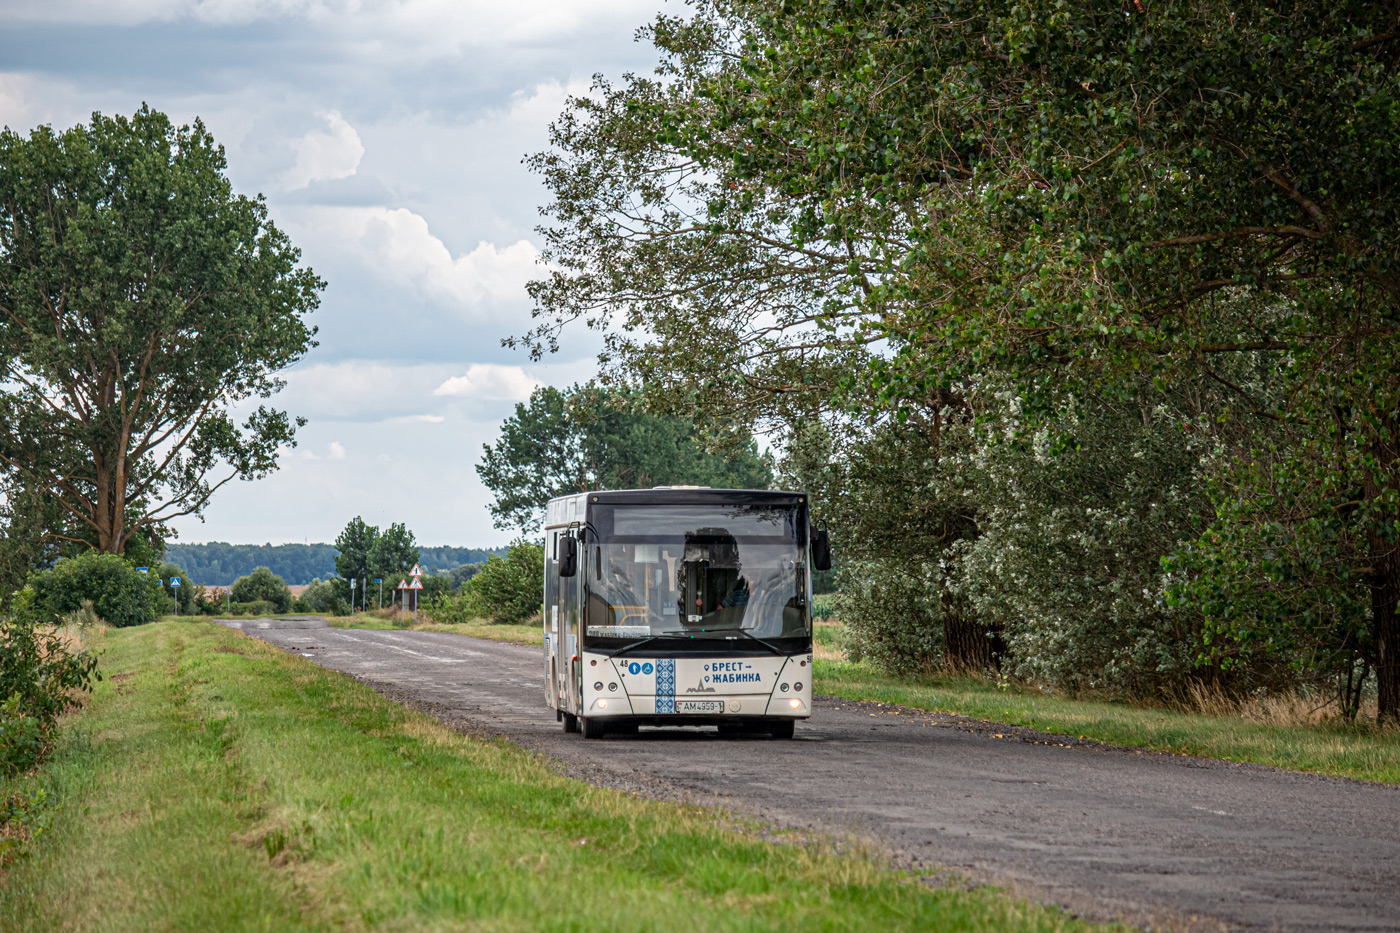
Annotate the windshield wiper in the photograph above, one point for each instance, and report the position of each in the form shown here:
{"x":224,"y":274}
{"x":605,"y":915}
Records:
{"x":638,"y":644}
{"x":770,"y":647}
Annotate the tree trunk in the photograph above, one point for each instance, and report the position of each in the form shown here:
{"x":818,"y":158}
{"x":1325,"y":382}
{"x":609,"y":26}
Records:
{"x":967,"y":644}
{"x":1385,"y":594}
{"x":1382,"y":472}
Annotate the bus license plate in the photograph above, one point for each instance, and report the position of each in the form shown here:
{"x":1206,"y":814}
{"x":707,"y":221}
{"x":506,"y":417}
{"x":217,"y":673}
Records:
{"x":699,"y":706}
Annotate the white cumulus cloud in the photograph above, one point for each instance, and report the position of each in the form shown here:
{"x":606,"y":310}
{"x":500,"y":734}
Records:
{"x":326,"y":155}
{"x":491,"y":382}
{"x":400,"y":242}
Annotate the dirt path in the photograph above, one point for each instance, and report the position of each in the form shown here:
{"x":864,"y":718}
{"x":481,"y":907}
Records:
{"x":1101,"y":830}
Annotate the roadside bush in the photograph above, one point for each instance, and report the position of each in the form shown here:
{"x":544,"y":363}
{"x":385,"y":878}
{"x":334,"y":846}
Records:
{"x":256,"y":607}
{"x":892,"y":615}
{"x":509,"y":589}
{"x":451,"y":608}
{"x":39,"y":673}
{"x":24,"y":816}
{"x":262,"y":585}
{"x":183,"y":596}
{"x":119,"y":594}
{"x":321,"y":597}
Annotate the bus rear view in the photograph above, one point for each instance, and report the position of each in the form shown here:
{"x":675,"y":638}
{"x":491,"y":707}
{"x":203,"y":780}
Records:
{"x":679,"y":606}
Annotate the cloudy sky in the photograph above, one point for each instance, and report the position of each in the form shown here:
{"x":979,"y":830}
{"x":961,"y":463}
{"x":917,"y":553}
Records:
{"x":387,"y":138}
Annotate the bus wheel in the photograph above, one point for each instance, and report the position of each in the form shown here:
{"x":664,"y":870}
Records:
{"x":782,"y":729}
{"x":570,"y":722}
{"x":592,"y":728}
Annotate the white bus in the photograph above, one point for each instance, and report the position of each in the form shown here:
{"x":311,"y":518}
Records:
{"x":680,"y":606}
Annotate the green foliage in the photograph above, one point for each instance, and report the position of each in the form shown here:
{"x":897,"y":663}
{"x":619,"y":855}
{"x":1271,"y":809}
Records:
{"x":255,"y":607}
{"x":462,"y":573}
{"x":321,"y":597}
{"x":895,"y":616}
{"x":509,"y":589}
{"x":352,"y":547}
{"x":366,"y":554}
{"x":25,"y":518}
{"x":183,"y":596}
{"x":452,"y":608}
{"x":39,"y":672}
{"x":585,"y":438}
{"x":1073,"y":519}
{"x":263,"y":586}
{"x":392,"y":555}
{"x":1191,"y":216}
{"x":144,"y":300}
{"x":24,"y":818}
{"x":24,"y":740}
{"x":219,"y":564}
{"x":437,"y":585}
{"x":119,"y":594}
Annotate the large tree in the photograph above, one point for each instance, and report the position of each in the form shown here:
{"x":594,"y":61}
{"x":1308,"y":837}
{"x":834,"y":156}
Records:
{"x":141,"y":301}
{"x":1072,"y":198}
{"x":584,"y":438}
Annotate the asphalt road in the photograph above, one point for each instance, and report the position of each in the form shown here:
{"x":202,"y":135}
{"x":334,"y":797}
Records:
{"x":1104,"y":831}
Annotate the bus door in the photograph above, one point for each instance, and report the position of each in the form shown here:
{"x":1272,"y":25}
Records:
{"x":570,"y":589}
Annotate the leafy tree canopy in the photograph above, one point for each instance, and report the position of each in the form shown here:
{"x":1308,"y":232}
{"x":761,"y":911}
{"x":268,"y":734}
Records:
{"x":583,"y":438}
{"x":140,"y":300}
{"x":821,"y":209}
{"x":262,"y":585}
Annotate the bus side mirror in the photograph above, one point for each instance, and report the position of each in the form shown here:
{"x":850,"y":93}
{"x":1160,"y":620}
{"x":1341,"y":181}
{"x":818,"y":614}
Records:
{"x":821,"y":549}
{"x":568,"y":556}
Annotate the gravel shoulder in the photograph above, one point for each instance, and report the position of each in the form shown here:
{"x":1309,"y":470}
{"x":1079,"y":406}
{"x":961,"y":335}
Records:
{"x":1105,"y":831}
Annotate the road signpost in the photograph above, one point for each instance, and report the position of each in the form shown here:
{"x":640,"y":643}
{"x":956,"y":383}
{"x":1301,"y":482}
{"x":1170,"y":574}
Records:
{"x":380,"y":581}
{"x":413,"y":588}
{"x":175,"y":585}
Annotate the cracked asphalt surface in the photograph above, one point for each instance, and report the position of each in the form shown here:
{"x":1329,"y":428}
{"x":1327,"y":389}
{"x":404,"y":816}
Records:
{"x":1108,"y":832}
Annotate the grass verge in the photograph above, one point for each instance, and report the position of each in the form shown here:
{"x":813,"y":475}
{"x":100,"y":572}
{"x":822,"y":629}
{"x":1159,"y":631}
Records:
{"x":1360,"y":750}
{"x":216,"y":783}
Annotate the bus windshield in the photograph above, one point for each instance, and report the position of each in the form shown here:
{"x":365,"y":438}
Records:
{"x":696,"y":572}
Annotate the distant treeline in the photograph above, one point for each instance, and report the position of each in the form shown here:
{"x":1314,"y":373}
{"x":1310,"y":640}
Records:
{"x":219,"y":564}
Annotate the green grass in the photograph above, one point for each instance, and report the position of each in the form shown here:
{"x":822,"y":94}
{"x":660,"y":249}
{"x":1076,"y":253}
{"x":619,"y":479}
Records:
{"x":1362,"y":750}
{"x":217,"y":783}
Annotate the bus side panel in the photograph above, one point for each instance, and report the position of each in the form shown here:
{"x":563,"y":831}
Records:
{"x":552,"y":646}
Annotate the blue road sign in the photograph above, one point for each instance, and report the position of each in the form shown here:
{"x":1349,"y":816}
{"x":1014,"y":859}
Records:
{"x":174,"y":581}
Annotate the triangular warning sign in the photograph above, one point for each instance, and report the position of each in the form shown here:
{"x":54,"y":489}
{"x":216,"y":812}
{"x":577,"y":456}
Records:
{"x":416,"y":572}
{"x":416,"y":585}
{"x":403,"y":585}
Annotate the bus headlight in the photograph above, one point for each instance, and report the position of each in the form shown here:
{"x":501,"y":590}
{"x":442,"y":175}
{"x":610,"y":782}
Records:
{"x":795,"y":703}
{"x":602,"y":704}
